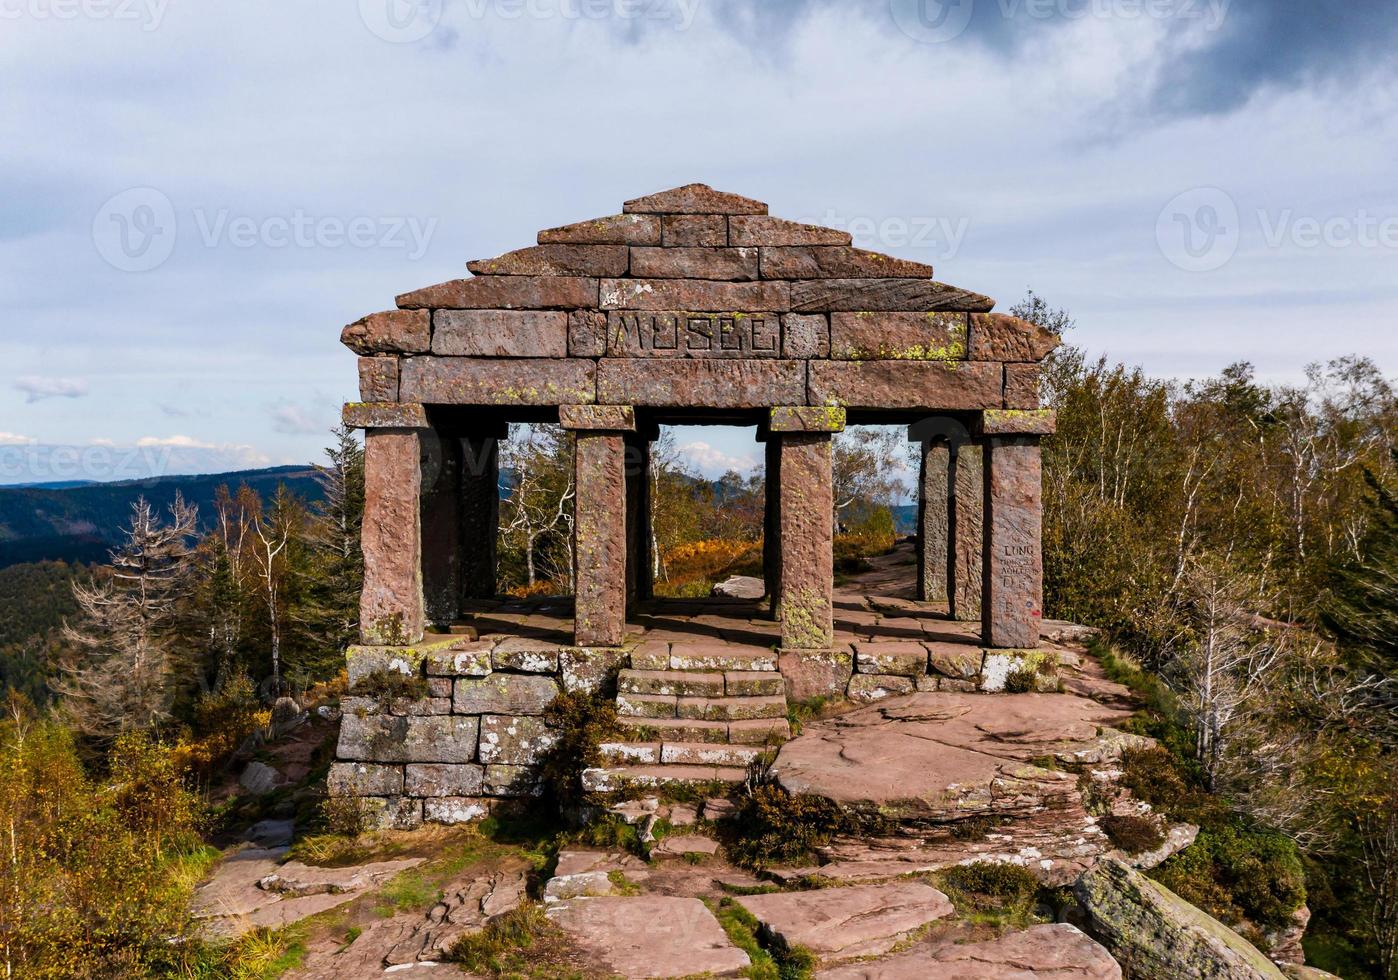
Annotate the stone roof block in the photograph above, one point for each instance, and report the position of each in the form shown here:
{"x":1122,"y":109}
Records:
{"x":765,"y":230}
{"x":837,"y":262}
{"x":857,"y":295}
{"x":694,"y":199}
{"x":555,"y":260}
{"x":1000,"y":337}
{"x":616,"y":229}
{"x":392,"y":332}
{"x":505,"y":293}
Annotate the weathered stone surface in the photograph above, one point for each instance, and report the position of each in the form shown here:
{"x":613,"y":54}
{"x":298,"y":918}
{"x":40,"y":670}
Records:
{"x":763,"y":230}
{"x":504,"y":694}
{"x":740,"y":587}
{"x":672,"y":683}
{"x":384,"y":415}
{"x":686,"y":845}
{"x":807,"y":534}
{"x":681,"y":937}
{"x":504,"y":381}
{"x":600,"y":538}
{"x":467,"y":904}
{"x":657,"y":382}
{"x":1000,"y":337}
{"x":868,"y":688}
{"x":933,"y":521}
{"x":805,"y":335}
{"x":647,"y":705}
{"x":503,"y":780}
{"x":555,"y":260}
{"x":1044,"y":952}
{"x":259,"y":779}
{"x":733,"y":264}
{"x":753,"y":684}
{"x":452,"y":810}
{"x":587,"y":333}
{"x":928,"y":385}
{"x":1161,"y":935}
{"x":898,"y":336}
{"x":506,"y":293}
{"x":378,"y":379}
{"x":392,"y":332}
{"x":1283,"y":944}
{"x":1009,"y":422}
{"x":1306,"y":973}
{"x":807,"y":418}
{"x":515,"y":741}
{"x":694,"y":294}
{"x":730,"y":709}
{"x":500,"y":333}
{"x":694,"y":230}
{"x":707,"y":754}
{"x":471,"y":659}
{"x":918,"y":295}
{"x":956,"y":660}
{"x":890,"y":657}
{"x":816,"y":673}
{"x":844,"y":923}
{"x":1022,"y":386}
{"x":524,"y":655}
{"x":837,"y":262}
{"x":966,"y":532}
{"x":759,"y":731}
{"x":597,"y":418}
{"x":694,"y":199}
{"x":1013,"y":571}
{"x":702,"y":335}
{"x":444,"y":780}
{"x":615,"y":229}
{"x":391,"y":603}
{"x":589,"y":668}
{"x":394,"y":738}
{"x":364,"y":779}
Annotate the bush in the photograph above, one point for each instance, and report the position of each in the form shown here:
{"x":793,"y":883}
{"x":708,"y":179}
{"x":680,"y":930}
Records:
{"x":1134,"y":834}
{"x":581,"y":722}
{"x":771,"y":826}
{"x":992,"y":887}
{"x":1235,"y":873}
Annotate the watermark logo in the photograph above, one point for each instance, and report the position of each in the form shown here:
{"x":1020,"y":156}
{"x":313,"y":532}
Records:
{"x":147,"y":13}
{"x":1199,"y":230}
{"x":942,"y":236}
{"x":932,"y":21}
{"x":401,"y":21}
{"x":135,"y":231}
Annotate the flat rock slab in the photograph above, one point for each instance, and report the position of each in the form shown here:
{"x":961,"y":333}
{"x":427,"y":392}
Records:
{"x":1059,"y":952}
{"x":844,"y":923}
{"x":651,"y":936}
{"x":681,"y":845}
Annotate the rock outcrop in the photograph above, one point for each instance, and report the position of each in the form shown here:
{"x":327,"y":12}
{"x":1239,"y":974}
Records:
{"x":1047,"y":952}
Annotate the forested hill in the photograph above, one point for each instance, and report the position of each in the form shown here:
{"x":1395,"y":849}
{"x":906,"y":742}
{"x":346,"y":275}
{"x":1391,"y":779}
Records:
{"x":79,"y":523}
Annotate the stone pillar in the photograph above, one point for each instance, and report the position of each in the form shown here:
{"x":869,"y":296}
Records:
{"x":1013,"y":590}
{"x":964,"y":532}
{"x":639,"y":583}
{"x":771,"y":520}
{"x":933,"y":522}
{"x":480,"y":513}
{"x":807,"y":504}
{"x":599,"y":529}
{"x":440,"y":466}
{"x":391,"y":608}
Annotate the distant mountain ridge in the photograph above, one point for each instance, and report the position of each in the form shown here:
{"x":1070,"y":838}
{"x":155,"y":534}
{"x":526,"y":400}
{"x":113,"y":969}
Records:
{"x":79,"y":521}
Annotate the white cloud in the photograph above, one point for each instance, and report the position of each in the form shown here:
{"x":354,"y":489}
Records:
{"x":15,"y":439}
{"x":180,"y":442}
{"x":38,"y":387}
{"x":296,"y":419}
{"x":712,"y":461}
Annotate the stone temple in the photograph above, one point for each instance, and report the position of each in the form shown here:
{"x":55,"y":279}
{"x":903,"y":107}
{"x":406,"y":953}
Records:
{"x":690,"y":307}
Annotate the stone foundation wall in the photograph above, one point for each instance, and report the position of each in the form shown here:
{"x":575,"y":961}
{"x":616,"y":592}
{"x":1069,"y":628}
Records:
{"x":872,"y":671}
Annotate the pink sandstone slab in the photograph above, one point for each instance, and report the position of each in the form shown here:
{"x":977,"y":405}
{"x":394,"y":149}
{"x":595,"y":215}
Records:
{"x":844,"y":923}
{"x":1047,"y":952}
{"x":651,"y":936}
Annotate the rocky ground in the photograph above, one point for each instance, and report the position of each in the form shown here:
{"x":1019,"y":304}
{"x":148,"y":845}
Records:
{"x":938,"y":781}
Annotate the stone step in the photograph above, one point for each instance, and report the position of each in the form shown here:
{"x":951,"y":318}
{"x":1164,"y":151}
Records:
{"x":706,"y":684}
{"x":754,"y":684}
{"x":650,"y":777}
{"x":659,"y":706}
{"x":757,"y":731}
{"x":719,"y":656}
{"x":624,"y":754}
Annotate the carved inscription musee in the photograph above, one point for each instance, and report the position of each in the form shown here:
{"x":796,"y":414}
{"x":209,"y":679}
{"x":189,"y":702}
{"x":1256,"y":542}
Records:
{"x":678,"y":334}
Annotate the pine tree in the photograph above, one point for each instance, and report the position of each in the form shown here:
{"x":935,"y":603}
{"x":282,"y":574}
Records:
{"x":1363,"y":610}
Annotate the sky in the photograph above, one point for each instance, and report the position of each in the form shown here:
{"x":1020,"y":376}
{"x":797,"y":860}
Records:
{"x":198,"y":196}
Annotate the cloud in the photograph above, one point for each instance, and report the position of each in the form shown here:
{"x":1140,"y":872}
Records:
{"x":15,"y":439}
{"x":179,"y":442}
{"x":293,"y":419}
{"x":712,"y":461}
{"x":37,"y":387}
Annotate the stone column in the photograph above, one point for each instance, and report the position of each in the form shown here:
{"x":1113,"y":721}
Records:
{"x":771,"y":519}
{"x":440,"y":466}
{"x":480,"y":512}
{"x":807,"y":525}
{"x":391,"y":607}
{"x":599,"y":530}
{"x":638,"y":517}
{"x":933,"y":522}
{"x":1013,"y":590}
{"x":964,"y":532}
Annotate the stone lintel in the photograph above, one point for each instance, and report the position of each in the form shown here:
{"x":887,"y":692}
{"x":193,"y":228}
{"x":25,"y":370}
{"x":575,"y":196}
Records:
{"x":1017,"y":422}
{"x":597,"y":418}
{"x":384,"y":415}
{"x":807,"y":418}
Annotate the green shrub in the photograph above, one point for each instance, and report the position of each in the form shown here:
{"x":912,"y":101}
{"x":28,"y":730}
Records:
{"x":771,"y":827}
{"x":1133,"y":834}
{"x":1021,"y":680}
{"x":991,"y":887}
{"x":522,"y":942}
{"x":581,"y":723}
{"x":1235,"y":873}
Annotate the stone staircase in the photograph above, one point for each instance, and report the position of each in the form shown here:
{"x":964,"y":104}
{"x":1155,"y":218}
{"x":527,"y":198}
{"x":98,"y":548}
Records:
{"x":693,"y":713}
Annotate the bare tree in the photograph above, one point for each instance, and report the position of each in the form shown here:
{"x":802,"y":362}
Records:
{"x":866,"y":466}
{"x":118,"y":675}
{"x":539,"y":506}
{"x":1378,"y":838}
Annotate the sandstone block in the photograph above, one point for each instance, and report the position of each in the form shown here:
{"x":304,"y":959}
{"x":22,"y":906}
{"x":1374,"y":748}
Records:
{"x":766,"y":231}
{"x":364,"y":779}
{"x":502,"y":780}
{"x":927,"y":385}
{"x":469,"y":660}
{"x":705,"y":295}
{"x":733,"y":264}
{"x":1013,"y":422}
{"x":500,"y":333}
{"x":955,"y":660}
{"x":651,"y":655}
{"x":700,"y":335}
{"x":807,"y":418}
{"x":816,"y":673}
{"x":966,"y":533}
{"x":616,"y":229}
{"x":707,"y":754}
{"x":656,"y":382}
{"x":758,"y":731}
{"x":384,"y":415}
{"x":1013,"y":571}
{"x":720,"y":656}
{"x":598,"y":418}
{"x":393,"y":332}
{"x":730,"y":709}
{"x":378,"y":379}
{"x":590,"y":669}
{"x":452,"y":810}
{"x":394,"y":812}
{"x":805,"y":335}
{"x":672,"y":683}
{"x":891,"y":657}
{"x":504,"y":694}
{"x":506,"y":381}
{"x":391,"y":607}
{"x":392,"y":738}
{"x":898,"y":336}
{"x":676,"y":730}
{"x":934,"y":520}
{"x":807,"y":534}
{"x":1000,"y":337}
{"x":845,"y":923}
{"x":443,"y":780}
{"x":694,"y":230}
{"x":875,"y":687}
{"x":555,"y":260}
{"x":753,"y":684}
{"x":1022,"y":386}
{"x":1056,"y":950}
{"x":694,"y":199}
{"x":647,"y":706}
{"x":506,"y":293}
{"x":526,"y":656}
{"x":837,"y":262}
{"x":600,"y":538}
{"x":515,"y":741}
{"x":681,"y":937}
{"x":587,"y":333}
{"x":917,"y":295}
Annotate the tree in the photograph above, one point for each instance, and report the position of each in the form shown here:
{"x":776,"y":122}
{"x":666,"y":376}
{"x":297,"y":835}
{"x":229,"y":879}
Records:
{"x":1363,"y":608}
{"x":274,"y":530}
{"x":865,"y":467}
{"x":537,"y":513}
{"x":118,"y":676}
